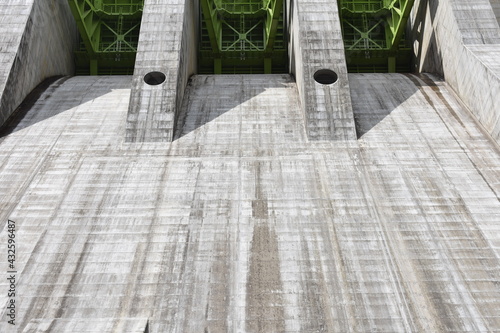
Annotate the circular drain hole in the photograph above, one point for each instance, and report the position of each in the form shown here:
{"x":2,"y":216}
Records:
{"x":154,"y":78}
{"x":325,"y":76}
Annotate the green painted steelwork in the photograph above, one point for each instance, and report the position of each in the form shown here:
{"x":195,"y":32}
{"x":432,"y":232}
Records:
{"x":373,"y":33}
{"x":242,"y":36}
{"x":109,"y":31}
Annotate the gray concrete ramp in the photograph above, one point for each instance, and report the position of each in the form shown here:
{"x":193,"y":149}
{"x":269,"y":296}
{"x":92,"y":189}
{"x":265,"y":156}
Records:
{"x":241,"y":109}
{"x":242,"y":224}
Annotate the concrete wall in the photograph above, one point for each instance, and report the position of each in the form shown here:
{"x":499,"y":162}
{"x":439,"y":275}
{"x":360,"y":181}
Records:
{"x":316,"y":43}
{"x":495,"y":4}
{"x":37,"y":39}
{"x":460,"y":40}
{"x":168,"y":44}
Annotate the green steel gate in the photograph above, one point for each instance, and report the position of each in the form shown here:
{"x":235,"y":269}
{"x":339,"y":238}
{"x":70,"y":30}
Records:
{"x":242,"y":36}
{"x":109,"y":31}
{"x":373,"y":33}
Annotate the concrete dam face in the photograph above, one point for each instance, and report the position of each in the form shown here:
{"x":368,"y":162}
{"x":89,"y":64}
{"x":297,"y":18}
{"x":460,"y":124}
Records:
{"x":250,"y":166}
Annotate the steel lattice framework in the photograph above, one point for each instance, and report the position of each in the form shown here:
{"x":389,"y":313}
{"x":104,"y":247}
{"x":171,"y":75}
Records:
{"x":109,"y":31}
{"x":373,"y":33}
{"x":242,"y":36}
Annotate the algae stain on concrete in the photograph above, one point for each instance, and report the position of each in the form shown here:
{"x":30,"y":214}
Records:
{"x":264,"y":309}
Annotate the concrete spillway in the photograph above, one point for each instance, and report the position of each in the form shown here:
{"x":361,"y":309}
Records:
{"x":243,"y":224}
{"x":249,"y":203}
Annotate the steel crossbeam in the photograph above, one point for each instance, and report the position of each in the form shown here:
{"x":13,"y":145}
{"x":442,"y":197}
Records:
{"x":373,"y":33}
{"x":109,"y":31}
{"x":243,"y":36}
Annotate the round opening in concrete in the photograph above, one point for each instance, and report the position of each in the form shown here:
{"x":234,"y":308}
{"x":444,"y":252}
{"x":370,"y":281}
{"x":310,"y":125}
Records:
{"x":325,"y":76}
{"x":154,"y":78}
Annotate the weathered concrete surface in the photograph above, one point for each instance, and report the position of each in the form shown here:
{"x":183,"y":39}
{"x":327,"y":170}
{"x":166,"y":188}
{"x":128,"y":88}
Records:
{"x":37,"y":39}
{"x":244,"y":225}
{"x":495,"y":5}
{"x":315,"y":42}
{"x":168,"y":43}
{"x":460,"y":40}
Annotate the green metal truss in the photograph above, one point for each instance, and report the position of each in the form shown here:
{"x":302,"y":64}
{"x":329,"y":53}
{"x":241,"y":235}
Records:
{"x":373,"y":33}
{"x":109,"y":31}
{"x":242,"y":36}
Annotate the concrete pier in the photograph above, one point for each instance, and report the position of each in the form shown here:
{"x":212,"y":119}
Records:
{"x":167,"y":44}
{"x":316,"y":44}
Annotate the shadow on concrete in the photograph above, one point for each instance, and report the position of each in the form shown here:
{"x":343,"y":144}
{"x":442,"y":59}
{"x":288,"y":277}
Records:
{"x":495,"y":5}
{"x":36,"y":108}
{"x":13,"y":122}
{"x":208,"y":97}
{"x":384,"y":94}
{"x":376,"y":96}
{"x":432,"y":60}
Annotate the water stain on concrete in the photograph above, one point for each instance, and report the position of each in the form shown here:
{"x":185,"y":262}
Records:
{"x":259,"y":209}
{"x":264,"y":301}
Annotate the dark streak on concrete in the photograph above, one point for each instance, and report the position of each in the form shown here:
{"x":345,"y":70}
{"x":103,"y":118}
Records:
{"x":259,"y":206}
{"x":312,"y":296}
{"x":264,"y":302}
{"x":218,"y":300}
{"x":76,"y":273}
{"x":259,"y":209}
{"x":264,"y":309}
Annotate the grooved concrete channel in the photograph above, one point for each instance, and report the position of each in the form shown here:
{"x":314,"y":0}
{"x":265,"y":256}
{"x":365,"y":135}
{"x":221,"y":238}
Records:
{"x":244,"y":225}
